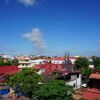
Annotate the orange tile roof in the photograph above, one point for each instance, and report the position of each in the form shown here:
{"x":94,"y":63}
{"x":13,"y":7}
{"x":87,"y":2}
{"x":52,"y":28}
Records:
{"x":95,"y":76}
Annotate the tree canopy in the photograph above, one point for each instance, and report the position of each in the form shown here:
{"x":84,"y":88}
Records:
{"x":96,"y":61}
{"x":5,"y":62}
{"x":27,"y":80}
{"x":81,"y":62}
{"x":55,"y":90}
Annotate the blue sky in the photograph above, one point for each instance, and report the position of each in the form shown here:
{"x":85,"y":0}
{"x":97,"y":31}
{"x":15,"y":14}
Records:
{"x":50,"y":26}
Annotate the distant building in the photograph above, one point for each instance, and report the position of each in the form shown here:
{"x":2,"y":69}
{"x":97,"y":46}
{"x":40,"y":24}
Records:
{"x":7,"y":57}
{"x":91,"y":66}
{"x":61,"y":60}
{"x":22,"y":58}
{"x":23,"y":64}
{"x":31,"y":63}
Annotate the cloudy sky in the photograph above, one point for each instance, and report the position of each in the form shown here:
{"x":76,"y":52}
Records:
{"x":50,"y":27}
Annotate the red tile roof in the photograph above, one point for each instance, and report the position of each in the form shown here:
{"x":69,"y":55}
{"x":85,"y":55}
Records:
{"x":63,"y":58}
{"x":91,"y":95}
{"x":49,"y":67}
{"x":9,"y":70}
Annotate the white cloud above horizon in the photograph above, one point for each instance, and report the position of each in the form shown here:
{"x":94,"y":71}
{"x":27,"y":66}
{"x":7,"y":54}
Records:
{"x":24,"y":2}
{"x":36,"y":38}
{"x":27,"y":2}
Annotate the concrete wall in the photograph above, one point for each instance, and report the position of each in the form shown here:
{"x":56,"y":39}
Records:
{"x":76,"y":83}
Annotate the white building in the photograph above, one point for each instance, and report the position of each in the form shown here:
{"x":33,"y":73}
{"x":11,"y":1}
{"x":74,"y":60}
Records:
{"x":75,"y":81}
{"x":9,"y":57}
{"x":61,"y":60}
{"x":72,"y":78}
{"x":23,"y":64}
{"x":31,"y":63}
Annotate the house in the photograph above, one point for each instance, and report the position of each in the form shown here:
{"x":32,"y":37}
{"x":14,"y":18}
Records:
{"x":60,"y":60}
{"x":71,"y":77}
{"x":93,"y":90}
{"x":22,"y":58}
{"x":23,"y":64}
{"x":94,"y":81}
{"x":7,"y":70}
{"x":31,"y":63}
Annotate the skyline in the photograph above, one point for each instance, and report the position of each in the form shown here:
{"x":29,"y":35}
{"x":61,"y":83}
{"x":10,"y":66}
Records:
{"x":51,"y":26}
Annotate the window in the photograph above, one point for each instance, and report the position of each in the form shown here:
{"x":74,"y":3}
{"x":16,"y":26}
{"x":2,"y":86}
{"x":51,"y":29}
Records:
{"x":74,"y":85}
{"x":73,"y":77}
{"x":77,"y":75}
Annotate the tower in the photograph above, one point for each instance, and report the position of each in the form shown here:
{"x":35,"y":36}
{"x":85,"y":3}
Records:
{"x":67,"y":62}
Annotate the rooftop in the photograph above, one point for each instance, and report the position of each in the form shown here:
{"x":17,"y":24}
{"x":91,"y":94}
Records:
{"x":91,"y":95}
{"x":9,"y":70}
{"x":95,"y":76}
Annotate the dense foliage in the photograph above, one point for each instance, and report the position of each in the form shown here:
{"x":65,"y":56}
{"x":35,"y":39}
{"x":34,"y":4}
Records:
{"x":33,"y":86}
{"x":81,"y":63}
{"x":97,"y":68}
{"x":86,"y":71}
{"x":5,"y":62}
{"x":27,"y":80}
{"x":55,"y":90}
{"x":96,"y":61}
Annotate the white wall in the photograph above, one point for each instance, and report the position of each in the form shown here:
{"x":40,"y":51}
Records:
{"x":61,"y":61}
{"x":30,"y":63}
{"x":57,"y":61}
{"x":73,"y":61}
{"x":76,"y":82}
{"x":42,"y":70}
{"x":23,"y":64}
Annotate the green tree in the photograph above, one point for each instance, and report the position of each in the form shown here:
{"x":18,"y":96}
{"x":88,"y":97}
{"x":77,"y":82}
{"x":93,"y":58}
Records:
{"x":81,"y":63}
{"x":85,"y":74}
{"x":97,"y":68}
{"x":1,"y":61}
{"x":86,"y":71}
{"x":14,"y":62}
{"x":96,"y":61}
{"x":55,"y":90}
{"x":27,"y":80}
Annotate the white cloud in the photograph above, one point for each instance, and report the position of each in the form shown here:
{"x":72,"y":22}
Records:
{"x":27,"y":2}
{"x":36,"y":38}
